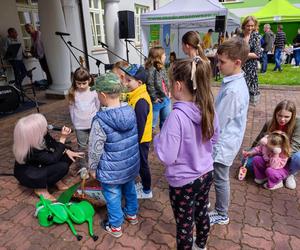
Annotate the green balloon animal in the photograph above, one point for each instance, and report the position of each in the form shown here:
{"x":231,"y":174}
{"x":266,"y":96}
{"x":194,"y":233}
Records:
{"x":49,"y":213}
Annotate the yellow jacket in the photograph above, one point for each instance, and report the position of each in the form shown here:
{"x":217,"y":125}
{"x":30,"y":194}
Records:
{"x":133,"y":97}
{"x":207,"y":41}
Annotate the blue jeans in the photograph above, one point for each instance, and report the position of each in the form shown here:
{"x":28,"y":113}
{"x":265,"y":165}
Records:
{"x":113,"y":195}
{"x":161,"y":110}
{"x":297,"y":56}
{"x":277,"y":56}
{"x":294,"y":164}
{"x":264,"y":63}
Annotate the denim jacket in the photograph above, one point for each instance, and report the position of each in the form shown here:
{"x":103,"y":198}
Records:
{"x":231,"y":106}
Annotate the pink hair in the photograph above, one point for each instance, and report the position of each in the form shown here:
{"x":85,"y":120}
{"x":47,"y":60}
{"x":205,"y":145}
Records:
{"x":29,"y":133}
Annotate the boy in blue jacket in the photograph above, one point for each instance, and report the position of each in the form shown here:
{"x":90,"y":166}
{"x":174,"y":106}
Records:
{"x":114,"y":153}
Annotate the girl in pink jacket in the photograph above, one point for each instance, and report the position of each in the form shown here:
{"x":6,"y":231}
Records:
{"x":270,"y":159}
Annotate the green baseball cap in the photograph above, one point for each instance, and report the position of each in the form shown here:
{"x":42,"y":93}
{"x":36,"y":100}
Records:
{"x":108,"y":83}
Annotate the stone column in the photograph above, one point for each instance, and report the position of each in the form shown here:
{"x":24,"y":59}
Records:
{"x":111,"y":9}
{"x":57,"y":54}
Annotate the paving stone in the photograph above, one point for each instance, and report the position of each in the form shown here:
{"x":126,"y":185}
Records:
{"x":259,"y":218}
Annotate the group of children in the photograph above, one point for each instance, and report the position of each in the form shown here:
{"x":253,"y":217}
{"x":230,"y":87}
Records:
{"x":197,"y":138}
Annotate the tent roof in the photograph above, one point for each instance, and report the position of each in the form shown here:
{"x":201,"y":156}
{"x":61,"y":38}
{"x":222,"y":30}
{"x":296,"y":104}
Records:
{"x":278,"y":11}
{"x":180,"y":11}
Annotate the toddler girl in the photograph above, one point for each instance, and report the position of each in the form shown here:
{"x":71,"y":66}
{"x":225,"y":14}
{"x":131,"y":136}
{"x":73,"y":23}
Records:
{"x":270,"y":159}
{"x":83,"y":105}
{"x":185,"y":145}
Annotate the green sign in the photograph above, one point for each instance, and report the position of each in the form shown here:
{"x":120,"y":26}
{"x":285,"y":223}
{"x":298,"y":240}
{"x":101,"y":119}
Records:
{"x":154,"y":32}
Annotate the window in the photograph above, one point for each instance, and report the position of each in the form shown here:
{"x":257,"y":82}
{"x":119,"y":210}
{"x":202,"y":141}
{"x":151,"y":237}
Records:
{"x":28,"y":13}
{"x":139,"y":9}
{"x":97,"y":21}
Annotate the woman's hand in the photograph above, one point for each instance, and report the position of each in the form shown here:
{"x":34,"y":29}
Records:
{"x":72,"y":155}
{"x":65,"y":131}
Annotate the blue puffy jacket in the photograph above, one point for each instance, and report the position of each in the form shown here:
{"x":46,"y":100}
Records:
{"x":120,"y":160}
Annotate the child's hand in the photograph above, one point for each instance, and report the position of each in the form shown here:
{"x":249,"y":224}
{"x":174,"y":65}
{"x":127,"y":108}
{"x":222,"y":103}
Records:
{"x":246,"y":153}
{"x":158,"y":100}
{"x":65,"y":131}
{"x":93,"y":174}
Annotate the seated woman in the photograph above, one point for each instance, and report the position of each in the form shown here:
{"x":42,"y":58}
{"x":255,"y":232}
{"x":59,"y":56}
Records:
{"x":284,"y":119}
{"x":41,"y":161}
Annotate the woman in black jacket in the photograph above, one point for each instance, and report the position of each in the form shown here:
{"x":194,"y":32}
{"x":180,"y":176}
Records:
{"x":41,"y":161}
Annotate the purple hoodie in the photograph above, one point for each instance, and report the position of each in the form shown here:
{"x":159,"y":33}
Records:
{"x":179,"y":145}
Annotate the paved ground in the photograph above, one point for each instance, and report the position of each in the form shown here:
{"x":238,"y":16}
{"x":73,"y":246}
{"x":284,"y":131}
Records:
{"x":260,"y":219}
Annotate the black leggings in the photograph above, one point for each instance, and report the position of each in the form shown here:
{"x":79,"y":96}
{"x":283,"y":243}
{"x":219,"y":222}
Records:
{"x":189,"y":204}
{"x":42,"y":177}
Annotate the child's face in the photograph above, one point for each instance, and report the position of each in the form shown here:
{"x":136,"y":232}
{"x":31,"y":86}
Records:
{"x":130,"y":83}
{"x":120,"y":74}
{"x":283,"y":117}
{"x":82,"y":85}
{"x":228,"y":66}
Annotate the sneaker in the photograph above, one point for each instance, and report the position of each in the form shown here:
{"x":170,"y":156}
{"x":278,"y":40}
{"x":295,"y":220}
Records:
{"x":142,"y":195}
{"x":278,"y":185}
{"x":195,"y":247}
{"x":290,"y":182}
{"x":216,"y":218}
{"x":114,"y":231}
{"x":260,"y":181}
{"x":138,"y":186}
{"x":132,"y":219}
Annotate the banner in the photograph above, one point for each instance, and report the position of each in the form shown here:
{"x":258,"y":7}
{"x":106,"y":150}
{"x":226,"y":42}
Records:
{"x":166,"y":40}
{"x":154,"y":34}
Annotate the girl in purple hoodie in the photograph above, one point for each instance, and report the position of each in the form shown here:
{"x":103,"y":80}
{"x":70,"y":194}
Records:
{"x":185,"y":145}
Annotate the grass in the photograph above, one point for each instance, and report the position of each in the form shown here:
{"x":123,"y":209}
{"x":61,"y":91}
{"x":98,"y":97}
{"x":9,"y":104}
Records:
{"x":288,"y":76}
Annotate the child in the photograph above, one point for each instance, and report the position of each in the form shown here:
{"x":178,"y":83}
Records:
{"x":270,"y":159}
{"x":157,"y":85}
{"x":191,"y":45}
{"x":231,"y":106}
{"x":140,"y":100}
{"x":114,"y":153}
{"x":41,"y":161}
{"x":83,"y":105}
{"x":185,"y":145}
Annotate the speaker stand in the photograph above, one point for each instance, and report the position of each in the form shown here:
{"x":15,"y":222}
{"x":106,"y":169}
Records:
{"x":127,"y":50}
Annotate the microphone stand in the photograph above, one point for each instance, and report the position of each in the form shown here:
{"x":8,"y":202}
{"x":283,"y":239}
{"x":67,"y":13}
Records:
{"x":98,"y":62}
{"x":106,"y":47}
{"x":61,"y":36}
{"x":130,"y":42}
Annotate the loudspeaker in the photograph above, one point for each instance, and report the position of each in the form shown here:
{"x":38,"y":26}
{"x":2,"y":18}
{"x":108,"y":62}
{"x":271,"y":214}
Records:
{"x":126,"y":24}
{"x":220,"y":24}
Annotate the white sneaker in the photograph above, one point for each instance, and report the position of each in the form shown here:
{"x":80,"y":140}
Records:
{"x":278,"y":185}
{"x":290,"y":182}
{"x":195,"y":247}
{"x":138,"y":186}
{"x":141,"y":195}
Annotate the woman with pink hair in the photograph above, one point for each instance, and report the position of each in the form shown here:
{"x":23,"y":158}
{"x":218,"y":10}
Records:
{"x":41,"y":161}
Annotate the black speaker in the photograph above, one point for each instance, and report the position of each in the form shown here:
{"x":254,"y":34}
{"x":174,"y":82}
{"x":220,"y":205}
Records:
{"x":126,"y":24}
{"x":220,"y":24}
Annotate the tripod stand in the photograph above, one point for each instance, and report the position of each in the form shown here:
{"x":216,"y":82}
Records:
{"x":21,"y":91}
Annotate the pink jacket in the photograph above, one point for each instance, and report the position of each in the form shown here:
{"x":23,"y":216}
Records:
{"x":272,"y":160}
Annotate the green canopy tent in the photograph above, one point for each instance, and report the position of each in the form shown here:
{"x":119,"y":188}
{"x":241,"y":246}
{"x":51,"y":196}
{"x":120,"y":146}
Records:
{"x":280,"y":12}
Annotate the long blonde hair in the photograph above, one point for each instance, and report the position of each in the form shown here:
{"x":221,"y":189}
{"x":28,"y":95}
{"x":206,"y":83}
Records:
{"x":181,"y":70}
{"x":154,"y":58}
{"x":29,"y":133}
{"x":81,"y":74}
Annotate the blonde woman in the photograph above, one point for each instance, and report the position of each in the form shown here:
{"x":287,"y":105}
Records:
{"x":41,"y":161}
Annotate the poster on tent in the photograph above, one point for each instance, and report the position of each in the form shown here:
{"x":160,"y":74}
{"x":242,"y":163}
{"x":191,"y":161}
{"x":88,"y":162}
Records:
{"x":154,"y":35}
{"x":166,"y":40}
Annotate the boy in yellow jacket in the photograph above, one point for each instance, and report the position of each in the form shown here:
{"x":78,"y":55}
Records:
{"x":138,"y":97}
